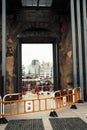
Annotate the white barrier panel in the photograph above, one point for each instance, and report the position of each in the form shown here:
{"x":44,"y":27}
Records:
{"x":64,"y":100}
{"x":53,"y":104}
{"x":75,"y":91}
{"x":29,"y":106}
{"x":8,"y":95}
{"x":73,"y":96}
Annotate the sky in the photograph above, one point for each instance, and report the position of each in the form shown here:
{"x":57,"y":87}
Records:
{"x":41,"y":52}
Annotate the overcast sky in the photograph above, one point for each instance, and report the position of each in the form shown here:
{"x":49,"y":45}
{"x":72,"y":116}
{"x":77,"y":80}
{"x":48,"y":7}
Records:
{"x":41,"y":52}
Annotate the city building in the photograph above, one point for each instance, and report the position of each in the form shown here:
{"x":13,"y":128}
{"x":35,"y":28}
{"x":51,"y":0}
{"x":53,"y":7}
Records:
{"x":46,"y":70}
{"x":34,"y":69}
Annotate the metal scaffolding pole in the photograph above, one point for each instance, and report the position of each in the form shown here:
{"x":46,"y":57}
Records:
{"x":4,"y":43}
{"x":73,"y":44}
{"x":85,"y":42}
{"x":80,"y":48}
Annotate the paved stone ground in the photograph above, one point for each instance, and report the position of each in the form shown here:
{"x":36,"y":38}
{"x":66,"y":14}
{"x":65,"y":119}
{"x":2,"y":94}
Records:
{"x":66,"y":112}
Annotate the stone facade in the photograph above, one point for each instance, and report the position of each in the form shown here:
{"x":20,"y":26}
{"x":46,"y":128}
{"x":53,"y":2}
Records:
{"x":38,"y":23}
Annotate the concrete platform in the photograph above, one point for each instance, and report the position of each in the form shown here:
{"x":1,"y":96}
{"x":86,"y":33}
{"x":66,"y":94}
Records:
{"x":67,"y":112}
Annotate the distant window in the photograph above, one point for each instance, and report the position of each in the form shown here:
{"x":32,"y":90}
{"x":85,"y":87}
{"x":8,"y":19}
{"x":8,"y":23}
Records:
{"x":44,"y":3}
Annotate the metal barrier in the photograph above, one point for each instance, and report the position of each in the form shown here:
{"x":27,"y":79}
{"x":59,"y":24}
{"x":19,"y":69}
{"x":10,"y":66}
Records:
{"x":10,"y":97}
{"x":40,"y":103}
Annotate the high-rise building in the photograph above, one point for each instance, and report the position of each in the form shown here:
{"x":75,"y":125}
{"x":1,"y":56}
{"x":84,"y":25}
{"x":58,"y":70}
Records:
{"x":46,"y":70}
{"x":34,"y":69}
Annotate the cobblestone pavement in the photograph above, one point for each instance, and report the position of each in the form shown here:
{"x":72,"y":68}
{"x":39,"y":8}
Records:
{"x":66,"y":112}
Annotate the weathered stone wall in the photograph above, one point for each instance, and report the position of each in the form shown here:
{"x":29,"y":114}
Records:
{"x":65,"y":57}
{"x":38,"y":23}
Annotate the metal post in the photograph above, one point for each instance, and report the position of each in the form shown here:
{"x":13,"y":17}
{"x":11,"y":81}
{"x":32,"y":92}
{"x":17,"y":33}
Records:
{"x":55,"y":65}
{"x":19,"y":67}
{"x":4,"y":43}
{"x":3,"y":120}
{"x":73,"y":44}
{"x":80,"y":48}
{"x":85,"y":42}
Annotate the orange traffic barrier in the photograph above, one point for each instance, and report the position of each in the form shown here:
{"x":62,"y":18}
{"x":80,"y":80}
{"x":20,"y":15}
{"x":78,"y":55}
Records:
{"x":52,"y":101}
{"x":1,"y":105}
